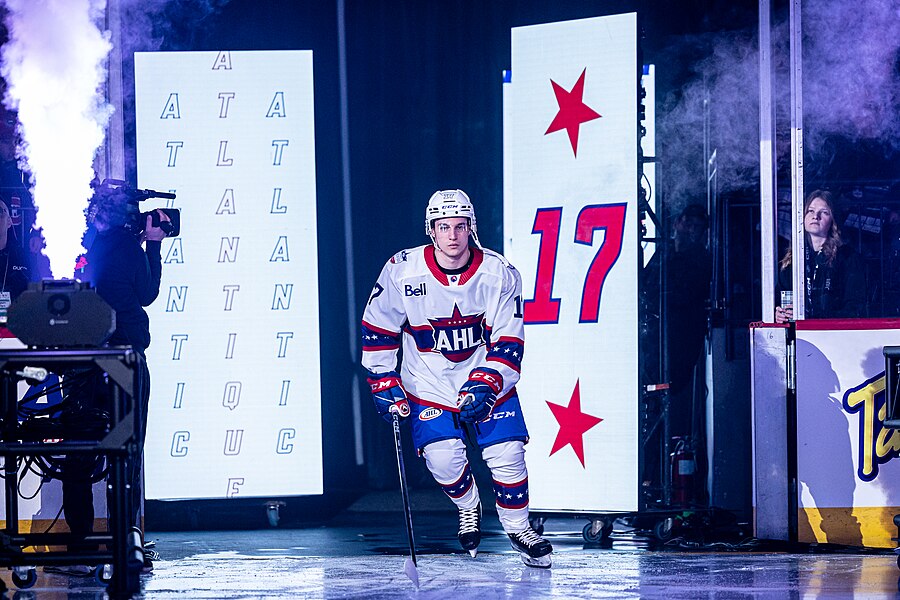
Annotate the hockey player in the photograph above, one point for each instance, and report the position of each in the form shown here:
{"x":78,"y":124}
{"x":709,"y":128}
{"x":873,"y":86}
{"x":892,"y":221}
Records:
{"x":456,"y":308}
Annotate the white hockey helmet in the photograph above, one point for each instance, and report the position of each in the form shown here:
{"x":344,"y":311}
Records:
{"x":450,"y":203}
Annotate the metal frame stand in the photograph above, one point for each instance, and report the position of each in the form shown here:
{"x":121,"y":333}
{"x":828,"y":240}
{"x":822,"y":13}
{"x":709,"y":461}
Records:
{"x":119,"y":445}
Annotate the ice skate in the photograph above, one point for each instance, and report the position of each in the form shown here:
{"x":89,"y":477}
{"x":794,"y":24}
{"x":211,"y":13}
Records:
{"x":534,"y":549}
{"x":470,"y":529}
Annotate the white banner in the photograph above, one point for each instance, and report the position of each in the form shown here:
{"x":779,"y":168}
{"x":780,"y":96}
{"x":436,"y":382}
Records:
{"x":235,"y":407}
{"x":847,"y":466}
{"x":570,"y":227}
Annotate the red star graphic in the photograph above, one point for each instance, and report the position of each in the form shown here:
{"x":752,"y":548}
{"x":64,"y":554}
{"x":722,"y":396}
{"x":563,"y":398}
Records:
{"x":572,"y":111}
{"x":573,"y":424}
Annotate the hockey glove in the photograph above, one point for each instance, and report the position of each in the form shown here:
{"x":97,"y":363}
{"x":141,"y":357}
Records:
{"x":387,"y":391}
{"x":478,"y":395}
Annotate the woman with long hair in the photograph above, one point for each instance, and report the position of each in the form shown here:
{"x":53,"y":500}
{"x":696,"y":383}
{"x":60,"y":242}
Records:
{"x":835,"y":281}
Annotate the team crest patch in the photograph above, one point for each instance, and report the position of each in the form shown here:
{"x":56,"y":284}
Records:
{"x":400,"y":257}
{"x":430,"y":413}
{"x":458,"y":336}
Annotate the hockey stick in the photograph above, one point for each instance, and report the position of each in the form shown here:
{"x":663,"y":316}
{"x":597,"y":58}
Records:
{"x":409,"y":566}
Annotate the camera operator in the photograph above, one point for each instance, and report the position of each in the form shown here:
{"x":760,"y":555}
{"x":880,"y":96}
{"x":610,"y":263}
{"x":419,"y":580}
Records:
{"x":127,"y":277}
{"x":13,"y":264}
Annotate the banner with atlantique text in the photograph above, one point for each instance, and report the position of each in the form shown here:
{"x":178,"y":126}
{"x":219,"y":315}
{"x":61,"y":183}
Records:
{"x":235,"y":406}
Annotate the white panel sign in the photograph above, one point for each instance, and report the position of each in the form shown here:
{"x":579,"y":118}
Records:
{"x":235,"y":407}
{"x":847,"y":467}
{"x":570,"y":227}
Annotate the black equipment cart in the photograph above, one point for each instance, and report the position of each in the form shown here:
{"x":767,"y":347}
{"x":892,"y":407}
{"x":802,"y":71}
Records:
{"x":119,"y":548}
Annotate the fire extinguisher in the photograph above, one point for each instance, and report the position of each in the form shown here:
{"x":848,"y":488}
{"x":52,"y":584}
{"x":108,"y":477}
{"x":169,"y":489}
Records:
{"x":684,"y":467}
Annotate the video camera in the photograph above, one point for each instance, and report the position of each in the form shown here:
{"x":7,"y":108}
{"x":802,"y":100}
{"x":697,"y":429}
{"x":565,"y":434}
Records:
{"x":117,"y":191}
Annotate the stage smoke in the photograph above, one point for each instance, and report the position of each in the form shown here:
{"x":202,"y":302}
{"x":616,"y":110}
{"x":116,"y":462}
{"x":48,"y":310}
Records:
{"x":851,"y":88}
{"x":54,"y":67}
{"x":150,"y":25}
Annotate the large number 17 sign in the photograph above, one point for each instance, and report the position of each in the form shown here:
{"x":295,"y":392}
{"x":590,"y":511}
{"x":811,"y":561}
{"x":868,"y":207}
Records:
{"x":543,"y":308}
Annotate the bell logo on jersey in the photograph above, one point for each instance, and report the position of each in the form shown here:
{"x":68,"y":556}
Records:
{"x":417,"y":290}
{"x":458,"y":336}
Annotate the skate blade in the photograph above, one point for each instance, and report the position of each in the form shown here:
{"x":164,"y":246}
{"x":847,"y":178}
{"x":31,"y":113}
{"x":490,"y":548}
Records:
{"x":473,"y":552}
{"x":542,"y":562}
{"x":411,"y":571}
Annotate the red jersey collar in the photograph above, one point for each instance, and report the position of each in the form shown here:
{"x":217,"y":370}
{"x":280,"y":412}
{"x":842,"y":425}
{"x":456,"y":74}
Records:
{"x":434,"y":267}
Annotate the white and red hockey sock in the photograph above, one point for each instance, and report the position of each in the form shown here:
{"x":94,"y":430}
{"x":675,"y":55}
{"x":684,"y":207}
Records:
{"x":447,"y":462}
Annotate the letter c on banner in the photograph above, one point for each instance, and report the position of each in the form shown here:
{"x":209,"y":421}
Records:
{"x":284,"y":441}
{"x":179,"y":443}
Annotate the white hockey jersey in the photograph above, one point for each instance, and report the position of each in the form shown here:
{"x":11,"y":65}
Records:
{"x":447,"y":324}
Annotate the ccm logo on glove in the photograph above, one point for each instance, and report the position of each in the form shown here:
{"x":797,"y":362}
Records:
{"x":389,"y":395}
{"x":490,"y":377}
{"x":379,"y":385}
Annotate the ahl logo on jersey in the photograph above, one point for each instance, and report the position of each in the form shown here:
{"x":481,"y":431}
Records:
{"x":458,"y":336}
{"x":430,"y":413}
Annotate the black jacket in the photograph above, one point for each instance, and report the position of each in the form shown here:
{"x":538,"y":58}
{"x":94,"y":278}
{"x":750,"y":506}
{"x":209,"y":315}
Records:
{"x":14,"y":272}
{"x":835,"y":291}
{"x":127,"y":278}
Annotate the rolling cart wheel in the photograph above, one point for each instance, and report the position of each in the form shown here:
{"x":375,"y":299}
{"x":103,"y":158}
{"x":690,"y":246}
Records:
{"x":537,"y":523}
{"x":103,"y":574}
{"x":597,"y":530}
{"x":24,"y":577}
{"x":663,"y":529}
{"x":589,"y":536}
